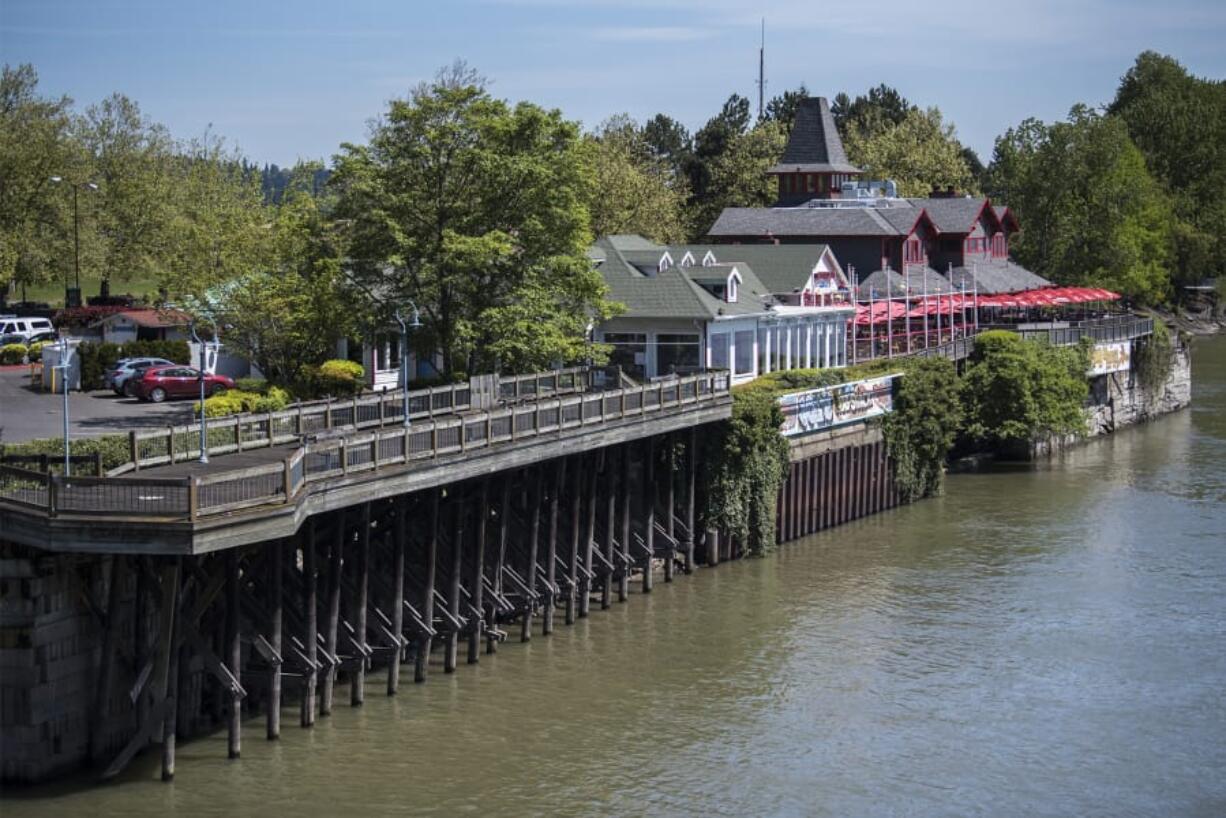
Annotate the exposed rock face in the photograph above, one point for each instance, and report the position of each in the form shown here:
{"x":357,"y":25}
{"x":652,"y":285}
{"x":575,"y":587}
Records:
{"x":1117,"y":400}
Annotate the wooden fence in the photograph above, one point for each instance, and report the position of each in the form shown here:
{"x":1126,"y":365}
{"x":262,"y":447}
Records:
{"x":358,"y":450}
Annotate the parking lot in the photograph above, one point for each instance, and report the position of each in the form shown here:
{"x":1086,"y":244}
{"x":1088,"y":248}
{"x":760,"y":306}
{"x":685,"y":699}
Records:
{"x":28,"y":414}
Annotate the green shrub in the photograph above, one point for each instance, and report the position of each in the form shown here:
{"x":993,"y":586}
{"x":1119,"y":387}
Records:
{"x":256,"y":385}
{"x":12,"y":354}
{"x":113,"y":449}
{"x":97,"y":359}
{"x":237,"y":402}
{"x":35,"y":351}
{"x":921,"y":429}
{"x":342,"y":369}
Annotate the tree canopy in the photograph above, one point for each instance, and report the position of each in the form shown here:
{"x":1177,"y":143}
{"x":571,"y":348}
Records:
{"x":920,"y":152}
{"x":475,"y":210}
{"x":635,"y":189}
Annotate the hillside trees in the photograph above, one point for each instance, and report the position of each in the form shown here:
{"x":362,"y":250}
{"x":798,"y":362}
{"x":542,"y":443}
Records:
{"x":920,"y":151}
{"x":634,"y":188}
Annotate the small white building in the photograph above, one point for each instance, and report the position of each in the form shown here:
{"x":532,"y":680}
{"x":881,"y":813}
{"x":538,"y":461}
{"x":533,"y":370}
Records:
{"x":750,"y":309}
{"x":143,"y":324}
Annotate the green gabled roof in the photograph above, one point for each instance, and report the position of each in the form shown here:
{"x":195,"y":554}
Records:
{"x":782,"y":268}
{"x":674,"y":292}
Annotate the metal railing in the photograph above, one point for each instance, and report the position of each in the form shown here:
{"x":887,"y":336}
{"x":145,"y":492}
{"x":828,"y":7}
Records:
{"x":237,"y":433}
{"x":1099,"y":330}
{"x":222,"y":490}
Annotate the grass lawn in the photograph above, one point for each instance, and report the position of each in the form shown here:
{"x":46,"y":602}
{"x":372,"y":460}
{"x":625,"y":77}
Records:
{"x":52,"y":292}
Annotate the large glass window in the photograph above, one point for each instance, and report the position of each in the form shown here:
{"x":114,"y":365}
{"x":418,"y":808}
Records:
{"x":678,"y":353}
{"x":629,"y":352}
{"x":744,"y":353}
{"x":719,"y":350}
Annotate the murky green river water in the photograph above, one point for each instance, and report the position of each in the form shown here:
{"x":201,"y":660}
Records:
{"x":1038,"y":642}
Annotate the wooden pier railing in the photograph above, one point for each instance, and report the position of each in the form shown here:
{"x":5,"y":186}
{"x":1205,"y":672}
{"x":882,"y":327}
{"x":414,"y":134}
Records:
{"x":237,"y":433}
{"x":356,"y":450}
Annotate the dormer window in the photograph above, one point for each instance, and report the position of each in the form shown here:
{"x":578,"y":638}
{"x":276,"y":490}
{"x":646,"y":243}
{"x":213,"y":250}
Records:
{"x":688,"y":259}
{"x":709,"y":259}
{"x":665,"y":262}
{"x":913,"y":252}
{"x":730,"y":290}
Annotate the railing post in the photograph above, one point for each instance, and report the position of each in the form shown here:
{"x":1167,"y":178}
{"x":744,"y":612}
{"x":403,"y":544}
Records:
{"x":407,"y":441}
{"x":51,"y":494}
{"x":170,"y":443}
{"x":289,"y":479}
{"x":299,"y":431}
{"x":269,"y":430}
{"x":374,"y":449}
{"x":193,"y":497}
{"x":344,"y":457}
{"x":434,"y":440}
{"x":238,"y":434}
{"x":134,"y":450}
{"x":382,"y":409}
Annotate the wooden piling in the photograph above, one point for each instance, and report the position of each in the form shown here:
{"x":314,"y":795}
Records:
{"x":357,"y":686}
{"x":166,"y":672}
{"x":106,"y":669}
{"x":400,"y":535}
{"x":478,"y":575}
{"x":589,"y":541}
{"x":649,"y":510}
{"x":627,"y":498}
{"x":276,"y":570}
{"x":534,"y":536}
{"x":310,"y":635}
{"x":610,"y":487}
{"x":452,"y":645}
{"x":504,"y":513}
{"x":234,"y":647}
{"x":427,"y":606}
{"x":670,"y":510}
{"x":332,"y":620}
{"x":576,"y":527}
{"x":691,"y":486}
{"x":551,"y":549}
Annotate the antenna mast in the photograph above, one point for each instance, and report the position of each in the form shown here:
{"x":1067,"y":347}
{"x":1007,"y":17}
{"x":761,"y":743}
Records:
{"x":762,"y":72}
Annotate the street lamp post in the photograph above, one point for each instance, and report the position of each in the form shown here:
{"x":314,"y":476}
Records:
{"x":76,"y":228}
{"x":414,"y":323}
{"x":204,"y":447}
{"x":65,"y":355}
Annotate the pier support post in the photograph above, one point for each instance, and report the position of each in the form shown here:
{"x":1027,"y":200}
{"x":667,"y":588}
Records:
{"x":310,"y":615}
{"x":627,"y":498}
{"x":610,"y":481}
{"x":649,"y":511}
{"x":670,"y":506}
{"x":691,"y":465}
{"x":234,"y":654}
{"x":589,"y":540}
{"x":106,"y":670}
{"x":534,"y":538}
{"x":167,"y":670}
{"x":451,"y":654}
{"x":422,"y":662}
{"x":357,"y":686}
{"x":332,"y":623}
{"x":576,"y":526}
{"x":276,"y":569}
{"x":478,"y":575}
{"x":551,"y":550}
{"x":712,"y":547}
{"x":400,"y":535}
{"x":504,"y":511}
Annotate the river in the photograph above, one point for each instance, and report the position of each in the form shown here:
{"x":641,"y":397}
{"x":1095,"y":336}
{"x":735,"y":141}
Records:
{"x":1039,"y":641}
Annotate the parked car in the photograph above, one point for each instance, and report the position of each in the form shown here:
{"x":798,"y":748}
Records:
{"x":26,"y":328}
{"x":157,"y":383}
{"x":125,"y":368}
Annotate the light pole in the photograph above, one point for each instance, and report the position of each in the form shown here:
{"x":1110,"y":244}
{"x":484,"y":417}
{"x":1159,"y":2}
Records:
{"x":204,"y":447}
{"x":414,"y":323}
{"x":65,"y":355}
{"x":76,"y":229}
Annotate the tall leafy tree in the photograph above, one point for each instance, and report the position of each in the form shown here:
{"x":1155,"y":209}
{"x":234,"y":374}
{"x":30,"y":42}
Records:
{"x":737,"y":176}
{"x":35,"y":144}
{"x":669,"y":142}
{"x":131,"y":160}
{"x":475,"y":209}
{"x":921,"y":152}
{"x":782,"y":108}
{"x":877,"y":110}
{"x":1178,"y":121}
{"x":634,"y":192}
{"x":1091,"y":210}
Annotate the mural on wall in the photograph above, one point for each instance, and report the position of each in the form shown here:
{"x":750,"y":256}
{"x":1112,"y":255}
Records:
{"x":819,"y":409}
{"x":1107,"y":358}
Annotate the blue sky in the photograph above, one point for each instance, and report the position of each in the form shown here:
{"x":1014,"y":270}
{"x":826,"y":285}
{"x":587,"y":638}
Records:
{"x":292,"y":80}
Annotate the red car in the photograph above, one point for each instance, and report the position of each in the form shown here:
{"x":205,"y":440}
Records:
{"x":158,"y":383}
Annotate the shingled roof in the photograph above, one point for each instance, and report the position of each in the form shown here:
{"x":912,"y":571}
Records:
{"x":805,"y":221}
{"x":814,"y":146}
{"x":675,"y":291}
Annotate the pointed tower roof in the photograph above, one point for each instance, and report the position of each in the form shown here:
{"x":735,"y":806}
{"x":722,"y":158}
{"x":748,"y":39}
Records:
{"x":814,"y":146}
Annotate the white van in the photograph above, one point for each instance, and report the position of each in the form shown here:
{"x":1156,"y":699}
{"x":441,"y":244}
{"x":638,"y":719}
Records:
{"x":26,"y":328}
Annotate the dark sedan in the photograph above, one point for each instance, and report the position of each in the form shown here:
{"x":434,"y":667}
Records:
{"x":157,"y":383}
